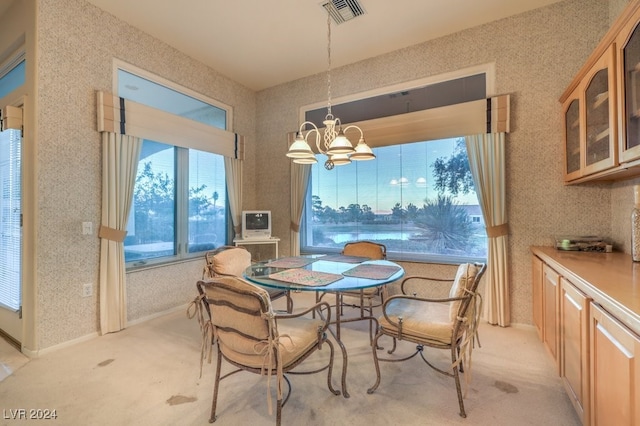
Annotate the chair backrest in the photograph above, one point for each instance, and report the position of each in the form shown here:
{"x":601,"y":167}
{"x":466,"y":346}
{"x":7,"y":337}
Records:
{"x":237,"y":310}
{"x":227,"y":260}
{"x":465,"y":283}
{"x":374,"y":251}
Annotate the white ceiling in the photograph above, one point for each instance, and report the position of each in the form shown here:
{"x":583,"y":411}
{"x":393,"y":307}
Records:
{"x":263,"y":43}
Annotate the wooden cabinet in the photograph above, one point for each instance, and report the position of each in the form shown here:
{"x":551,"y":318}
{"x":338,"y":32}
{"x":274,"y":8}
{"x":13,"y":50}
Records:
{"x":589,"y":310}
{"x":574,"y":347}
{"x":573,"y":136}
{"x":550,"y":324}
{"x":601,"y":107}
{"x":590,"y":121}
{"x":628,"y":64}
{"x":536,"y":292}
{"x":615,"y":371}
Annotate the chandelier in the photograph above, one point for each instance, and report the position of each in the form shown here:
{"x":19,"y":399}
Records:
{"x":335,"y":145}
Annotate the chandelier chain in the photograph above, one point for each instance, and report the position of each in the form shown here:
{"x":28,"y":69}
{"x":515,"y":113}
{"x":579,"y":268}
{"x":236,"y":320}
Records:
{"x":328,"y":64}
{"x":336,"y":147}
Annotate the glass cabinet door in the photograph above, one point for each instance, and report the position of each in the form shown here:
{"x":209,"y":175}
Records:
{"x":572,"y":140}
{"x":630,"y":148}
{"x":599,"y":104}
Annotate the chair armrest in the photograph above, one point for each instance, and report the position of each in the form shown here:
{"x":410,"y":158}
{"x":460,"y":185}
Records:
{"x":320,"y":306}
{"x":424,"y":299}
{"x":427,"y":279}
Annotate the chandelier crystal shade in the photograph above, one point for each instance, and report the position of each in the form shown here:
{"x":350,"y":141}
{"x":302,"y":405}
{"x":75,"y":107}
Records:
{"x":335,"y":144}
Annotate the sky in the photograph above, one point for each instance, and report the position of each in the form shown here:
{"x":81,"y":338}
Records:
{"x":401,"y":173}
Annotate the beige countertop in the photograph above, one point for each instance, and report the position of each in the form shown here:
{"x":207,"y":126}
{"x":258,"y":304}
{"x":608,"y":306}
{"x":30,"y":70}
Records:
{"x":610,"y":279}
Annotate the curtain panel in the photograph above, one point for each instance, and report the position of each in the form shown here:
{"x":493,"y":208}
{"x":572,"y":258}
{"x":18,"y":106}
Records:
{"x":120,"y":154}
{"x":233,"y":175}
{"x":487,"y":163}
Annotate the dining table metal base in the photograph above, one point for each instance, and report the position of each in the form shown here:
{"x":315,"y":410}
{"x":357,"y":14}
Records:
{"x":334,"y":329}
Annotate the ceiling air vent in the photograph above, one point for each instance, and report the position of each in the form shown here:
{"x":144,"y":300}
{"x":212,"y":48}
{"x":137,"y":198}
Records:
{"x":343,"y":10}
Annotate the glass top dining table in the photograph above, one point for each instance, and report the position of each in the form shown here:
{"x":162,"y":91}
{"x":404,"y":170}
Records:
{"x":262,"y":273}
{"x":326,"y":274}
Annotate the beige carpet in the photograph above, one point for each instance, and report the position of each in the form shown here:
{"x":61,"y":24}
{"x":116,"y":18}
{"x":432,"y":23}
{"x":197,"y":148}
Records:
{"x":149,"y":374}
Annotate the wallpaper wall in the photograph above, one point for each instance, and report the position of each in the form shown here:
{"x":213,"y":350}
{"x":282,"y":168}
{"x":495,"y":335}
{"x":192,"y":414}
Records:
{"x":536,"y":55}
{"x":76,"y":46}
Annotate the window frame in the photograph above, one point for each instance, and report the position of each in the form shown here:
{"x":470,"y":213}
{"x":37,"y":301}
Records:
{"x":487,"y":69}
{"x":418,"y":257}
{"x":181,"y":185}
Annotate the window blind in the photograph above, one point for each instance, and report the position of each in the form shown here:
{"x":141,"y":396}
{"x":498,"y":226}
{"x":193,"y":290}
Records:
{"x":10,"y":208}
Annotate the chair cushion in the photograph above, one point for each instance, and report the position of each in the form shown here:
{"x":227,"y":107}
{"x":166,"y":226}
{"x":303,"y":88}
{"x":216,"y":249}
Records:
{"x":232,"y":261}
{"x":421,"y":320}
{"x":465,"y":277}
{"x":302,"y":332}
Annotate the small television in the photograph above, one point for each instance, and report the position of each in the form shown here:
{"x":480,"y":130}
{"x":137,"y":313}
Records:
{"x":256,"y":224}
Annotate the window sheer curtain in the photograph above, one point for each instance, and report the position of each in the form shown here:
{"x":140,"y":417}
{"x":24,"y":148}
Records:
{"x":120,"y":155}
{"x":233,"y":174}
{"x":300,"y":174}
{"x":486,"y":153}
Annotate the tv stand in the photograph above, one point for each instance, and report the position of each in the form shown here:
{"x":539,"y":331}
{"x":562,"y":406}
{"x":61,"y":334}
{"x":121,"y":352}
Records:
{"x":257,"y":241}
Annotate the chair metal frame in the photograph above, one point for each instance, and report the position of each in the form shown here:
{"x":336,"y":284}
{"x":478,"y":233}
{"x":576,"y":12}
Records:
{"x":462,"y":335}
{"x":271,"y":319}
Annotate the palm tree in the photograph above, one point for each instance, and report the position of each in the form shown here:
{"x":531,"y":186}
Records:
{"x":447,"y":226}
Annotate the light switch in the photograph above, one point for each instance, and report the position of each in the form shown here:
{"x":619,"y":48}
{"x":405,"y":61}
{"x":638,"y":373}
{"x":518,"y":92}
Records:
{"x":87,"y":228}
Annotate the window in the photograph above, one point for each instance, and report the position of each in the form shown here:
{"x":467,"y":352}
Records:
{"x":179,"y":203}
{"x":15,"y":76}
{"x":411,"y":198}
{"x":417,"y":198}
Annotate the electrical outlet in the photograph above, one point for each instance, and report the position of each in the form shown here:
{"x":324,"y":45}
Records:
{"x":87,"y":290}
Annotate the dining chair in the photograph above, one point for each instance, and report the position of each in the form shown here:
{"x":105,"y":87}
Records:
{"x":232,"y":261}
{"x":448,"y":323}
{"x":252,"y":337}
{"x":371,"y":251}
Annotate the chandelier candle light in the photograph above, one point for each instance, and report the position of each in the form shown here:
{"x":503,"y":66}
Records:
{"x":335,"y":146}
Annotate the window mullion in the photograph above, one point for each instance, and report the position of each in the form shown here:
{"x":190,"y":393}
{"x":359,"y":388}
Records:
{"x":182,"y":200}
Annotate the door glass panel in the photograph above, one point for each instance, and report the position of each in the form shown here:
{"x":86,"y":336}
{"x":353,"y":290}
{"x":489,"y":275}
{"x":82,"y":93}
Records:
{"x":572,"y":127}
{"x":10,"y":214}
{"x":632,"y":89}
{"x":597,"y":124}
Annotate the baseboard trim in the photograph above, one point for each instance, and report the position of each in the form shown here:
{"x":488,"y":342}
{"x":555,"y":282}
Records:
{"x":157,"y":315}
{"x":87,"y":337}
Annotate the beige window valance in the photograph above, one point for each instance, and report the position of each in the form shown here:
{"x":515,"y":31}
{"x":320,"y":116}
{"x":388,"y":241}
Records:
{"x":469,"y":118}
{"x":11,"y":118}
{"x":122,"y":116}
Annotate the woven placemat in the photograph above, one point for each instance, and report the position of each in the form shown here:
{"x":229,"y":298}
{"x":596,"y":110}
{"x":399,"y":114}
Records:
{"x":374,"y":272}
{"x":305,"y":277}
